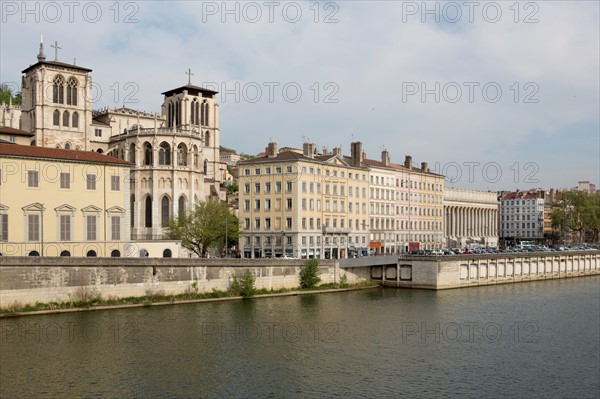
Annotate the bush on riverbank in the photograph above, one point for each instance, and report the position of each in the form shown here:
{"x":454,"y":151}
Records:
{"x":309,"y":276}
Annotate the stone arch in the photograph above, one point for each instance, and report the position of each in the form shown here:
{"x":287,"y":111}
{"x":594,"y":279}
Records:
{"x":164,"y":153}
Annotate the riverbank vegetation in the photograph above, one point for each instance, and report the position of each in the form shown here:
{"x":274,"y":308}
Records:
{"x":88,"y":297}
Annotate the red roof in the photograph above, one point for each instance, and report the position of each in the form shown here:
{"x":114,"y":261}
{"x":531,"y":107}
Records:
{"x":16,"y":132}
{"x":25,"y":151}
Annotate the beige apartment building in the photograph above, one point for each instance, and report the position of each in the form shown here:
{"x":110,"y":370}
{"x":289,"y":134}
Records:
{"x":56,"y":202}
{"x":304,"y":205}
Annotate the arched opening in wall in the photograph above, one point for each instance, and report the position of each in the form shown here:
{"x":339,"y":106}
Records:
{"x":33,"y":143}
{"x":181,"y":206}
{"x":56,"y":118}
{"x":204,"y":116}
{"x":132,"y":209}
{"x":167,"y":253}
{"x":164,"y":211}
{"x":65,"y":253}
{"x":58,"y":90}
{"x":115,"y":253}
{"x":144,"y":253}
{"x":91,"y":253}
{"x":207,"y":139}
{"x":34,"y":253}
{"x":72,"y":91}
{"x":99,"y":151}
{"x":67,"y":146}
{"x":148,"y":212}
{"x":132,"y":153}
{"x":66,"y":117}
{"x":170,"y":115}
{"x":196,"y":156}
{"x":147,"y":154}
{"x":164,"y":154}
{"x":205,"y":167}
{"x":75,"y":120}
{"x":182,"y":154}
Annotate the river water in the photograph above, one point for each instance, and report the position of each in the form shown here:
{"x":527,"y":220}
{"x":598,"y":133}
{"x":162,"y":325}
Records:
{"x":539,"y":339}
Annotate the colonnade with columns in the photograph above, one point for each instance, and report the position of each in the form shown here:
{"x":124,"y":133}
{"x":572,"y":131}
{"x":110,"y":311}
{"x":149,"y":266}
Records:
{"x":471,"y":223}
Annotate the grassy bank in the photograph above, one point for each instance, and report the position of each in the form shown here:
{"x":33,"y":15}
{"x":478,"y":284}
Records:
{"x":87,"y":298}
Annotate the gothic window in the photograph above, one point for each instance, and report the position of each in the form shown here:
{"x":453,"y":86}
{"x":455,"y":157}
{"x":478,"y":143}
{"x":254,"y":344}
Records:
{"x":207,"y":139}
{"x":205,"y":166}
{"x":58,"y":90}
{"x":181,"y":206}
{"x":56,"y":118}
{"x":196,"y":156}
{"x":194,"y":112}
{"x":164,"y":211}
{"x":148,"y":212}
{"x":75,"y":119}
{"x":72,"y":91}
{"x":66,"y":118}
{"x":164,"y":154}
{"x":147,"y":154}
{"x":197,"y":105}
{"x":204,"y":114}
{"x":181,"y":154}
{"x":170,"y":117}
{"x":132,"y":153}
{"x":68,"y":146}
{"x":178,"y":112}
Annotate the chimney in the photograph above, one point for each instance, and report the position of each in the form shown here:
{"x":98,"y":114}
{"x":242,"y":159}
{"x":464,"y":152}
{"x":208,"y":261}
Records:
{"x":272,"y":150}
{"x":364,"y":155}
{"x":385,"y":157}
{"x":424,"y":167}
{"x":407,"y":161}
{"x":308,"y":149}
{"x":337,"y":151}
{"x":356,"y":153}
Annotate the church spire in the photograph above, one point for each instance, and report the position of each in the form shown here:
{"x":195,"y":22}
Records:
{"x":41,"y":56}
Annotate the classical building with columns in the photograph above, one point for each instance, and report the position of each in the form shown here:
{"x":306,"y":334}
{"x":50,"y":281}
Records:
{"x":471,"y":218}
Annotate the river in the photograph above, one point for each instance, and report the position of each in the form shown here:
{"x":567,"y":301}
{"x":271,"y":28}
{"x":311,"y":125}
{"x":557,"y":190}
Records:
{"x":538,"y":339}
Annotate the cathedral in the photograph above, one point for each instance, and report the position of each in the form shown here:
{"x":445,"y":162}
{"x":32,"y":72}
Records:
{"x":175,"y":154}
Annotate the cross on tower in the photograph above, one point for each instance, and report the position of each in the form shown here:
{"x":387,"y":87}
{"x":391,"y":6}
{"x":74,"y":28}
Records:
{"x":189,"y":73}
{"x":56,"y":48}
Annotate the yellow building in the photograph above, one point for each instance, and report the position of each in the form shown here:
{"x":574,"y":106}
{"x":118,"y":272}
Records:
{"x":56,"y":202}
{"x":303,"y":205}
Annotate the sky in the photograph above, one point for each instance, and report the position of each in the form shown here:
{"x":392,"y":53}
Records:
{"x":495,"y":95}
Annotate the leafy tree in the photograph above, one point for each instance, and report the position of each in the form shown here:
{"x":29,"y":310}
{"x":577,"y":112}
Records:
{"x":577,"y":211}
{"x":309,"y":276}
{"x":205,"y":228}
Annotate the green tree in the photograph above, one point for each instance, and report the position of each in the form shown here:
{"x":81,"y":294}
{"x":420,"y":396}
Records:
{"x":205,"y":228}
{"x":577,"y":211}
{"x":309,"y":276}
{"x":244,"y":286}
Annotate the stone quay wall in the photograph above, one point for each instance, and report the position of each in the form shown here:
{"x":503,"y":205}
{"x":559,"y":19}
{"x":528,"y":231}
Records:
{"x":27,"y":280}
{"x":442,"y":272}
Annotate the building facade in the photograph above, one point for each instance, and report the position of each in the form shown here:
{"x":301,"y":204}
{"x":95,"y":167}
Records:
{"x":57,"y":202}
{"x":175,"y":153}
{"x":522,"y":216}
{"x":471,"y":218}
{"x":302,"y":205}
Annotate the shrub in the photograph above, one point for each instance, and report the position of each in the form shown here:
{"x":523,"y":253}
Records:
{"x":244,"y":286}
{"x":309,"y":276}
{"x":344,"y":281}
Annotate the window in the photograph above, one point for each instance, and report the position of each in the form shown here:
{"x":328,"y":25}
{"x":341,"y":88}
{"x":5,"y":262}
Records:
{"x":278,"y":169}
{"x":278,"y":187}
{"x":65,"y":180}
{"x":65,"y":227}
{"x":247,"y":224}
{"x":147,"y":154}
{"x":246,"y":205}
{"x":3,"y":227}
{"x":33,"y":227}
{"x":75,"y":122}
{"x":257,"y":171}
{"x":115,"y":228}
{"x":90,"y":182}
{"x":91,"y":227}
{"x":164,"y":154}
{"x":56,"y":118}
{"x":288,"y":187}
{"x":247,"y":188}
{"x":257,"y":223}
{"x":98,"y":132}
{"x":288,"y":203}
{"x":32,"y":178}
{"x":257,"y":188}
{"x":66,"y":118}
{"x":72,"y":91}
{"x":115,"y":183}
{"x":148,"y":212}
{"x":58,"y":94}
{"x":267,"y":223}
{"x":257,"y":205}
{"x":267,"y":188}
{"x":164,"y":211}
{"x":288,"y":223}
{"x":267,"y":205}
